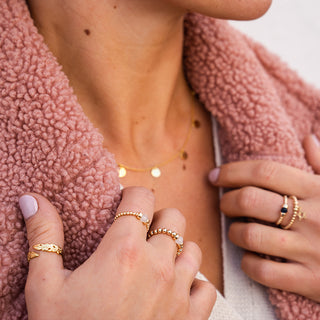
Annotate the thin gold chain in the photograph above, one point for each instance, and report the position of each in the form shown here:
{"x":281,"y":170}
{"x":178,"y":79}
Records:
{"x":123,"y":168}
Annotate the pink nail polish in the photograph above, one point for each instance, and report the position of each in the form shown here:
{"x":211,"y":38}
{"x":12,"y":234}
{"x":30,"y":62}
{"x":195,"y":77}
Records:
{"x":28,"y":206}
{"x":214,"y":175}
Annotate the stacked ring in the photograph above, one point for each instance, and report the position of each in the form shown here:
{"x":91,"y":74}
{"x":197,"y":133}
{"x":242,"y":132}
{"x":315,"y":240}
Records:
{"x":138,"y":215}
{"x":297,"y":212}
{"x":176,"y":237}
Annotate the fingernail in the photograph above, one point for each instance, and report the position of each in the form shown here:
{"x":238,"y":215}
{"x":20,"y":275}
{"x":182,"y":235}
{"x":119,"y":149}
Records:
{"x":28,"y":206}
{"x":316,"y":140}
{"x":214,"y":175}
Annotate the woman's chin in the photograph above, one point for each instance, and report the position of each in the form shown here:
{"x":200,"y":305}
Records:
{"x":227,"y":9}
{"x":249,"y":9}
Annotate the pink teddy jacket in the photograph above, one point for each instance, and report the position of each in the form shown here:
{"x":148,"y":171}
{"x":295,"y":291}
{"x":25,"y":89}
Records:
{"x":49,"y":146}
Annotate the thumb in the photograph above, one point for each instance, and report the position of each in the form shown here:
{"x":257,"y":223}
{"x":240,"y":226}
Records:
{"x":43,"y":226}
{"x":311,"y":146}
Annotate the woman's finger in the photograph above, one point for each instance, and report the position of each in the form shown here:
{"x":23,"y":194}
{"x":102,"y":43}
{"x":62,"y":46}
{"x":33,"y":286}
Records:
{"x":167,"y":243}
{"x":268,"y":175}
{"x":44,"y":226}
{"x":188,"y":264}
{"x":292,"y":277}
{"x":311,"y":146}
{"x":271,"y":241}
{"x":203,"y":296}
{"x":135,"y":200}
{"x":264,"y":205}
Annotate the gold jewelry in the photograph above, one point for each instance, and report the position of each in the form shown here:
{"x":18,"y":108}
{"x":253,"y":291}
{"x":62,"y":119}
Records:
{"x":296,"y":213}
{"x":283,"y":211}
{"x":177,"y":239}
{"x":47,"y":247}
{"x":138,"y":215}
{"x":32,"y":255}
{"x":155,"y":169}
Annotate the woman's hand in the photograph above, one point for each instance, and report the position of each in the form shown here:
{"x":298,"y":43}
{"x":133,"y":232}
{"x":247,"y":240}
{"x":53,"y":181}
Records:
{"x":260,"y":186}
{"x":127,"y":277}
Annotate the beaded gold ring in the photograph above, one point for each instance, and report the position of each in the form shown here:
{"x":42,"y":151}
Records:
{"x":144,"y":219}
{"x":175,"y":236}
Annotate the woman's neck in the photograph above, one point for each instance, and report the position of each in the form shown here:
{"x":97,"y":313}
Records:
{"x":124,"y":61}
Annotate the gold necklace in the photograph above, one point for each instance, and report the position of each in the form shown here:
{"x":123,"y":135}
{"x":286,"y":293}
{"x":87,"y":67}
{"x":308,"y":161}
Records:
{"x":155,"y":169}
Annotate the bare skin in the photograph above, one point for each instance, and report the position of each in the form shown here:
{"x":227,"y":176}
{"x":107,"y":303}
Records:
{"x":137,"y":45}
{"x":184,"y":185}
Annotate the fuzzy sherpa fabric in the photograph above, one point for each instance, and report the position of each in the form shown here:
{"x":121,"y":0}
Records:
{"x":48,"y":145}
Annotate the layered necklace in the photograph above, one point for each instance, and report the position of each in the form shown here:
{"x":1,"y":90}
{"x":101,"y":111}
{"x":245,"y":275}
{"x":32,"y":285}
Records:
{"x":155,"y":170}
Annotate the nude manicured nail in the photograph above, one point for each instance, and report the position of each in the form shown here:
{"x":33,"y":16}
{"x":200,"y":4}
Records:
{"x":28,"y":206}
{"x":214,"y":175}
{"x":316,"y":140}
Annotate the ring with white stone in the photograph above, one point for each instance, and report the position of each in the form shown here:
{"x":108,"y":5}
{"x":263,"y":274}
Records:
{"x":138,"y":215}
{"x":175,"y":236}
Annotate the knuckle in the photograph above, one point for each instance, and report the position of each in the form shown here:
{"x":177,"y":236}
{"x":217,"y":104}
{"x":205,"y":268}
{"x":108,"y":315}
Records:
{"x":165,"y":273}
{"x":248,"y":198}
{"x":266,"y":170}
{"x":129,"y":252}
{"x":251,"y":236}
{"x":41,"y":230}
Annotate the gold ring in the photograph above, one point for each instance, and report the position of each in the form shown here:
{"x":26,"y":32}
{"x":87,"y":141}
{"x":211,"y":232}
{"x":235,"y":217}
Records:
{"x":138,"y":215}
{"x":47,"y":247}
{"x":175,"y":236}
{"x":283,"y":211}
{"x":297,"y":212}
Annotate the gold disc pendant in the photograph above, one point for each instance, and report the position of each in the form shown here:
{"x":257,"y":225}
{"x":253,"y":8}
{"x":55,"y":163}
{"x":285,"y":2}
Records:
{"x":122,"y":172}
{"x":156,"y":172}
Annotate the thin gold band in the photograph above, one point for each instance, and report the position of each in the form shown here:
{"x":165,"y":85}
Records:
{"x":138,"y":215}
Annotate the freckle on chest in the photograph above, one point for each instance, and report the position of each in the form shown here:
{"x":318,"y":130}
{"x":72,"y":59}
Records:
{"x":87,"y":32}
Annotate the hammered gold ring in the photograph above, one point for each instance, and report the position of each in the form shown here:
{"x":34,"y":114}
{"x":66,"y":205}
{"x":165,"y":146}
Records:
{"x":144,"y":219}
{"x":175,"y":236}
{"x":47,"y":247}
